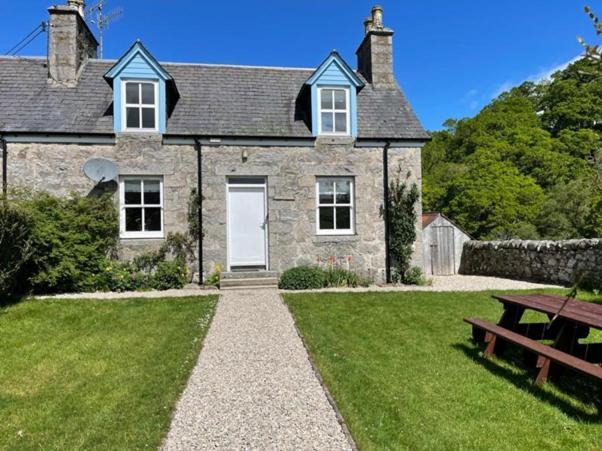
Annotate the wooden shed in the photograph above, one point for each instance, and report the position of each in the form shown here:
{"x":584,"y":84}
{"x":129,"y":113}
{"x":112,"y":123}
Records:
{"x":442,"y":242}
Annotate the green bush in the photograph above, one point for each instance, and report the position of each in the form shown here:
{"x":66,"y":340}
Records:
{"x":71,"y":238}
{"x":302,"y":278}
{"x":15,"y":246}
{"x":414,"y":276}
{"x":169,"y":274}
{"x":121,"y":276}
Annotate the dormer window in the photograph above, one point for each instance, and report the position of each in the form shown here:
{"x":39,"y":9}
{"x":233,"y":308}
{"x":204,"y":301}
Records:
{"x":334,"y":88}
{"x":140,"y":106}
{"x":334,"y":115}
{"x":142,"y":90}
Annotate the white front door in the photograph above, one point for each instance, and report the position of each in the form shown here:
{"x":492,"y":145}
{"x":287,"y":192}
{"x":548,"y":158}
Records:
{"x":247,"y":224}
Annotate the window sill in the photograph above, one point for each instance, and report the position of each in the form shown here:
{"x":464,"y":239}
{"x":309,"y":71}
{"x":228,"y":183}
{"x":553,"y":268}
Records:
{"x":334,"y":139}
{"x":348,"y":238}
{"x":141,"y":237}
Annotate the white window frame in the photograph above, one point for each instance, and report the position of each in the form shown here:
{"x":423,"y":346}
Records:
{"x":347,"y":111}
{"x":125,"y":105}
{"x":122,"y":207}
{"x":351,"y":205}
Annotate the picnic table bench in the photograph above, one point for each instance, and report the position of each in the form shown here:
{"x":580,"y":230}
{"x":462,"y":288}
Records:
{"x":574,"y":321}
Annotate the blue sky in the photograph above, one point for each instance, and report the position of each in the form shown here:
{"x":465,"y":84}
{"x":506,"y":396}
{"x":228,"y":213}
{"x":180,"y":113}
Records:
{"x":451,"y":57}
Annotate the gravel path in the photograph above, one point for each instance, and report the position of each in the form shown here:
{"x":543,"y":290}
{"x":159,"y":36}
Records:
{"x":253,"y":386}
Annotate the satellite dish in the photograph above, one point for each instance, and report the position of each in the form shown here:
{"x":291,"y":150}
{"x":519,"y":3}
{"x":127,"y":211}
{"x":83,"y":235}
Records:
{"x":100,"y":170}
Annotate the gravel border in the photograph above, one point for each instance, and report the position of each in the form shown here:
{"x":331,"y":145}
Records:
{"x":440,"y":283}
{"x":443,"y":283}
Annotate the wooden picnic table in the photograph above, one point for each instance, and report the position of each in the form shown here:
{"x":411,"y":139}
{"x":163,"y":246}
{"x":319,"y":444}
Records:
{"x":573,"y":323}
{"x":569,"y":320}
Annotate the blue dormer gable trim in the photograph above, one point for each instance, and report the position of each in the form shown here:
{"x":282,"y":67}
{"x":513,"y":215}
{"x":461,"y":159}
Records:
{"x":334,"y":72}
{"x":138,"y":64}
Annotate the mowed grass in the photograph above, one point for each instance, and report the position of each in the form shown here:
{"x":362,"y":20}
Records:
{"x":405,"y":375}
{"x":83,"y":374}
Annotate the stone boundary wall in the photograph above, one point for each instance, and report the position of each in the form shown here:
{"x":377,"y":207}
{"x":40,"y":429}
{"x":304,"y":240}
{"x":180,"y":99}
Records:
{"x":559,"y":262}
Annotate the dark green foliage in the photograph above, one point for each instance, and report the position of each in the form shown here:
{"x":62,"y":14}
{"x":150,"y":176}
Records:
{"x":194,"y":205}
{"x":528,"y":165}
{"x":15,"y":246}
{"x":169,"y":274}
{"x":402,"y":226}
{"x":414,"y":276}
{"x":162,"y":269}
{"x":121,"y":276}
{"x":177,"y":246}
{"x":71,"y":238}
{"x":314,"y":277}
{"x":302,"y":278}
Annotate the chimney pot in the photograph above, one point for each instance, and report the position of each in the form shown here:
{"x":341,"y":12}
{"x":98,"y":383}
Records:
{"x":368,"y":25}
{"x":377,"y":17}
{"x":77,"y":4}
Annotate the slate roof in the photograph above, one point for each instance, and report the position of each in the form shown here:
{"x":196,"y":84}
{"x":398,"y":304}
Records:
{"x":214,"y":101}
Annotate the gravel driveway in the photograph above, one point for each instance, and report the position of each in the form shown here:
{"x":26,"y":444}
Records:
{"x":253,"y":386}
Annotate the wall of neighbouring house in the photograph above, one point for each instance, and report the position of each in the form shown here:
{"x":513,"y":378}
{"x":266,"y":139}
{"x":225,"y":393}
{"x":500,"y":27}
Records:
{"x":291,"y":175}
{"x":57,"y":168}
{"x":559,"y":262}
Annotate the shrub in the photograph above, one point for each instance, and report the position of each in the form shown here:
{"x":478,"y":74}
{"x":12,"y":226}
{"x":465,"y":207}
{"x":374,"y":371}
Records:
{"x":15,"y":246}
{"x":214,"y":278}
{"x":169,"y":274}
{"x":414,"y":276}
{"x":302,"y":278}
{"x":70,"y":240}
{"x":121,"y":276}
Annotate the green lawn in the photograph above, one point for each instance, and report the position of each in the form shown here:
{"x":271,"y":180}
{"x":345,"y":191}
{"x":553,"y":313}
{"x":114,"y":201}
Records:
{"x":405,"y":375}
{"x":82,"y":374}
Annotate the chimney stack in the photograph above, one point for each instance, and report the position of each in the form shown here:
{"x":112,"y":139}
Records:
{"x":375,"y":54}
{"x":70,"y":43}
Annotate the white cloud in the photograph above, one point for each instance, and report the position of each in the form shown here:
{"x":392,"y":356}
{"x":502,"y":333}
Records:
{"x":544,"y":74}
{"x":505,"y":86}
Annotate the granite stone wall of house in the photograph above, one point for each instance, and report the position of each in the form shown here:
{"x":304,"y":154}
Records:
{"x":561,"y":262}
{"x":291,"y":179}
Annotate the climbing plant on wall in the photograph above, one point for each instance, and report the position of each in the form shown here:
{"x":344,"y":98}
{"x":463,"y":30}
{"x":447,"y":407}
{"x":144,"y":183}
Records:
{"x":402,"y":226}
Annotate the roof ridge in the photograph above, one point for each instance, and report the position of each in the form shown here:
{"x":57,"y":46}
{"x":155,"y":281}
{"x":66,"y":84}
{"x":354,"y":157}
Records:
{"x":238,"y":66}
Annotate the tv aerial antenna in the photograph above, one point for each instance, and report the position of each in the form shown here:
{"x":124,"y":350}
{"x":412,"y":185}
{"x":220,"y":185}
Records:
{"x":102,"y":20}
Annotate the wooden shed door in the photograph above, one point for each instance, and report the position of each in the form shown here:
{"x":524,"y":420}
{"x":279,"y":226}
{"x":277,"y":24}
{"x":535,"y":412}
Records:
{"x":442,"y":251}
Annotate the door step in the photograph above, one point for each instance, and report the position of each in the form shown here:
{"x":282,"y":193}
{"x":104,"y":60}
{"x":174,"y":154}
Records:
{"x":248,"y":280}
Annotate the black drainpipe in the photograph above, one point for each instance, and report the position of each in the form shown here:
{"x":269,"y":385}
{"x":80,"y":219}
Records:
{"x":199,"y":149}
{"x":4,"y":168}
{"x":386,"y":211}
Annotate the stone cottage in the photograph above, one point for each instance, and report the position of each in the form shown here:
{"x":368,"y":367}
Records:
{"x":292,"y":163}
